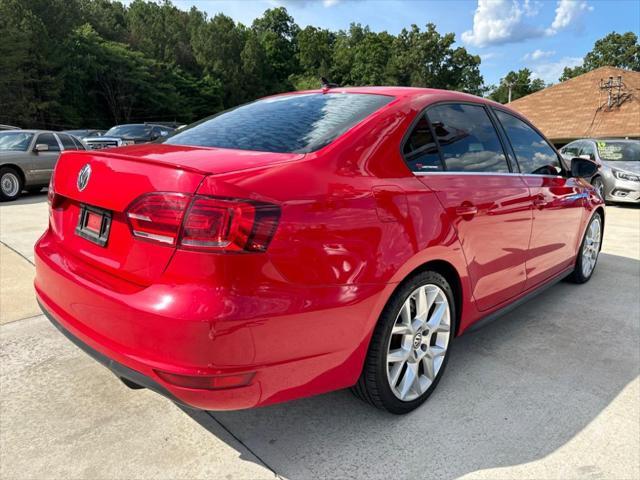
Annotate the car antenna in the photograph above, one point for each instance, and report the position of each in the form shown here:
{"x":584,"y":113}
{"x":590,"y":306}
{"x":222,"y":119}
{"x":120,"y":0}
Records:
{"x":327,"y":85}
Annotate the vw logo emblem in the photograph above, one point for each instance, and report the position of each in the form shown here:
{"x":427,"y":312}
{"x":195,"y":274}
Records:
{"x":83,"y":177}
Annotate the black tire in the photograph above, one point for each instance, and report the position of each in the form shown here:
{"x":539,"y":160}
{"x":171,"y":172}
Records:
{"x":578,"y":275}
{"x":598,"y":184}
{"x":11,"y":184}
{"x":373,"y":385}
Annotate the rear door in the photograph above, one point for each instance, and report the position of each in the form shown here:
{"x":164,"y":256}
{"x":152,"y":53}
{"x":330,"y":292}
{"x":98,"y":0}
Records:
{"x":488,"y":204}
{"x":558,"y":201}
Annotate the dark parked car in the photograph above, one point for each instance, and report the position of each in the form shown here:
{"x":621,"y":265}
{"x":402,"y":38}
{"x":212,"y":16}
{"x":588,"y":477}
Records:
{"x":27,"y":158}
{"x":85,"y":133}
{"x":128,"y":135}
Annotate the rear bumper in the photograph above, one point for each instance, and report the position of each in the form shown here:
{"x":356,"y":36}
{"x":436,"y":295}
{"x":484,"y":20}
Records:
{"x":298,"y":341}
{"x":121,"y":371}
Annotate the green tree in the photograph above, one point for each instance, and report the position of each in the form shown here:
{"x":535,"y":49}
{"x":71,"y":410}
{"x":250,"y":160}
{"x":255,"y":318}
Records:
{"x":277,"y":32}
{"x":521,"y":84}
{"x":218,"y":46}
{"x":428,"y":59}
{"x":614,"y":50}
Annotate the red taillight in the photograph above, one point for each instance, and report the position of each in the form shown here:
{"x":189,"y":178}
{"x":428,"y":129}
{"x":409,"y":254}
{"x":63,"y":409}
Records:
{"x":158,"y":216}
{"x":214,"y":382}
{"x":210,"y":223}
{"x":52,"y":199}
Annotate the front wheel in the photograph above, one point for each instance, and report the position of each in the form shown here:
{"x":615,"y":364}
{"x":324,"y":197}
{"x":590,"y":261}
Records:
{"x":589,"y":251}
{"x":598,"y":184}
{"x":410,"y":345}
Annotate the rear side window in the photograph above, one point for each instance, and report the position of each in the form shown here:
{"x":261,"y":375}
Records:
{"x":285,"y":124}
{"x":50,"y":140}
{"x":420,"y":150}
{"x":534,"y":154}
{"x":468,"y":140}
{"x":78,"y":143}
{"x":67,"y":142}
{"x":571,"y":150}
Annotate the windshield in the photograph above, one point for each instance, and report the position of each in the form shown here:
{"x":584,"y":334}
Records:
{"x":612,"y":151}
{"x":15,"y":141}
{"x":129,"y":131}
{"x":286,"y":124}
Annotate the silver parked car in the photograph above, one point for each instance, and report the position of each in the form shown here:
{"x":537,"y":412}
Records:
{"x":618,"y":179}
{"x":27,"y":158}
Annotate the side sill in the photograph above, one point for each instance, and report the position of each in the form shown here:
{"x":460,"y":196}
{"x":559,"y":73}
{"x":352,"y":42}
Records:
{"x":512,"y":306}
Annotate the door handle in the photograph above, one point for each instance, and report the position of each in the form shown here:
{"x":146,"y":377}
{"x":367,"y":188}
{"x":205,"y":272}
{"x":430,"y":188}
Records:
{"x":466,"y":210}
{"x":539,"y":201}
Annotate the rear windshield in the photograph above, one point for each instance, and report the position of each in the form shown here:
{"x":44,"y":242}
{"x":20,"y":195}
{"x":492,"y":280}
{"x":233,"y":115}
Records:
{"x":129,"y":131}
{"x":622,"y":151}
{"x":287,"y":124}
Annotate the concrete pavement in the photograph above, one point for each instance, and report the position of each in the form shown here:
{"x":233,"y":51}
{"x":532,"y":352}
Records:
{"x":550,"y":391}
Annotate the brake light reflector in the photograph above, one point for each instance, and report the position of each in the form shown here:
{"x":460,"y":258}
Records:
{"x":158,"y":216}
{"x":213,"y":382}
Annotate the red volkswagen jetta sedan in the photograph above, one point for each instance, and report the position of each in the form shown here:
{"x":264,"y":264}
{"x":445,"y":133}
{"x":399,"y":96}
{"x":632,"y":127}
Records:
{"x":309,"y":242}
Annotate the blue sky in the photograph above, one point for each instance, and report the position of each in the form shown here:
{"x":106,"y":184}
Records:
{"x":543,"y":35}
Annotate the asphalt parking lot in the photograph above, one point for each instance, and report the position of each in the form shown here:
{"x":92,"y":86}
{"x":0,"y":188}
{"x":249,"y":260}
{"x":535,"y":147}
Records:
{"x":550,"y":391}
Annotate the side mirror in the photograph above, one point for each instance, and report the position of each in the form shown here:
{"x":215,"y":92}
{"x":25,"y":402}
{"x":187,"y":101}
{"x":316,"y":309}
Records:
{"x":41,"y":147}
{"x":583,"y":168}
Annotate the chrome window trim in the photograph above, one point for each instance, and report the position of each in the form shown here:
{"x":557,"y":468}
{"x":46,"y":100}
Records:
{"x":491,"y":174}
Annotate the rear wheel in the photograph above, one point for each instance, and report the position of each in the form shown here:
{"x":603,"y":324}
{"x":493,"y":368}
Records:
{"x":409,"y":347}
{"x":589,"y":251}
{"x":10,"y":184}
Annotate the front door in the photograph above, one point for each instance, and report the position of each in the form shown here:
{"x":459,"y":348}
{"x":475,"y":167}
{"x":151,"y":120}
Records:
{"x":557,"y":201}
{"x":487,"y":203}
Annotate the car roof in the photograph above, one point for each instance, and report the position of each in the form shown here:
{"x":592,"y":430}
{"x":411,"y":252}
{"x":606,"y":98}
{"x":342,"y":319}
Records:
{"x":30,"y":131}
{"x":408,"y":93}
{"x":591,"y":139}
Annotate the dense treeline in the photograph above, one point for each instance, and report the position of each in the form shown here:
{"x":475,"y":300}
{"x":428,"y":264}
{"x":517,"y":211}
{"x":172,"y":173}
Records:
{"x":93,"y":63}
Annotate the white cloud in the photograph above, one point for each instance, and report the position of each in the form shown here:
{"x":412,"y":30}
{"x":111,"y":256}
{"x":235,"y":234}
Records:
{"x":497,"y":22}
{"x":550,"y":72}
{"x":538,"y":54}
{"x":305,"y":3}
{"x":568,"y":12}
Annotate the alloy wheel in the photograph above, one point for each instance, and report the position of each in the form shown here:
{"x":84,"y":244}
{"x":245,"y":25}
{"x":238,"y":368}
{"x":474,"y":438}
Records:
{"x":591,"y":246}
{"x":10,"y":184}
{"x":418,"y":343}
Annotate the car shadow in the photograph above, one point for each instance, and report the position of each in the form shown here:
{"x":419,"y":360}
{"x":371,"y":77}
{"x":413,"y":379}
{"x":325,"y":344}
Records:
{"x":514,"y":392}
{"x":27,"y":198}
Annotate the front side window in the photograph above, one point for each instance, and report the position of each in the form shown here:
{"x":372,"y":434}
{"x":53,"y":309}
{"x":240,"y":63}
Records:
{"x":589,"y":149}
{"x":15,"y":141}
{"x":50,"y":140}
{"x":467,"y":138}
{"x":299,"y":123}
{"x":534,"y":154}
{"x":572,"y":150}
{"x":420,"y":150}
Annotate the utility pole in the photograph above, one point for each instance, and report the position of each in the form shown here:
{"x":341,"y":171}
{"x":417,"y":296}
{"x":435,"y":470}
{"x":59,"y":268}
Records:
{"x":510,"y":85}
